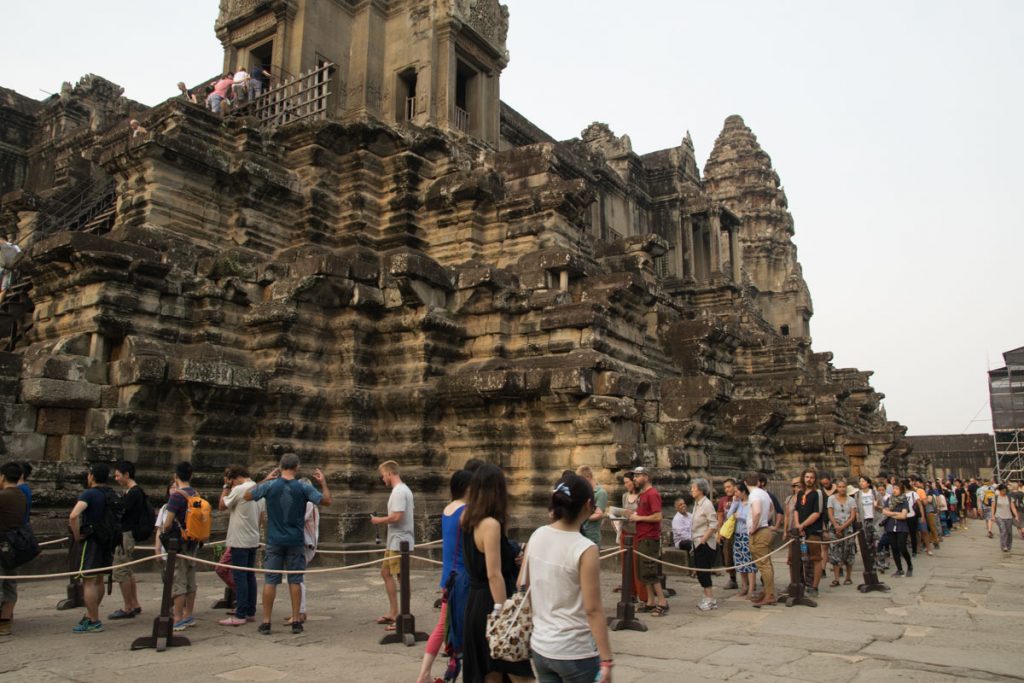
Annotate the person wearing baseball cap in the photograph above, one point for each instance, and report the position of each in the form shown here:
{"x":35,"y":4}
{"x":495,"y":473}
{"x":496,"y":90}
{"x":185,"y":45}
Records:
{"x":648,"y":541}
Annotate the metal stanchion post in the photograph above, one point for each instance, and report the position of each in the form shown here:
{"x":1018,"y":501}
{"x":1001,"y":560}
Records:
{"x":405,"y":624}
{"x":625,"y":612}
{"x":871,"y":582}
{"x":75,"y":597}
{"x":794,"y":594}
{"x":163,"y":625}
{"x":228,"y":601}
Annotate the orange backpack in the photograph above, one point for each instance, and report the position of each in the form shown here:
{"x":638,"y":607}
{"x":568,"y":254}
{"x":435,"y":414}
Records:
{"x":198,"y":519}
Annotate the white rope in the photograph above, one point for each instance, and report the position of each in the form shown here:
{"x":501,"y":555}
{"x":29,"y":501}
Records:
{"x":282,"y":572}
{"x":614,"y":553}
{"x":83,"y":572}
{"x":54,"y":542}
{"x":425,"y":559}
{"x":715,"y":569}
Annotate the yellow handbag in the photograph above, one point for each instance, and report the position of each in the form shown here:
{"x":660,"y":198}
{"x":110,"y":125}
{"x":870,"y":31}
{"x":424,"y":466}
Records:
{"x":728,"y":528}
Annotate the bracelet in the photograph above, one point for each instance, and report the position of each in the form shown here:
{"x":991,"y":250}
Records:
{"x":608,"y":663}
{"x":497,"y":607}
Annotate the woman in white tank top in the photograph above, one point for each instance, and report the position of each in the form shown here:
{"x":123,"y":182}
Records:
{"x":570,"y":633}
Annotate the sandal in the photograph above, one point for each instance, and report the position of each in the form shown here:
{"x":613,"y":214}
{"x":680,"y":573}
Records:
{"x":659,"y":611}
{"x":385,"y":620}
{"x":848,"y":582}
{"x":834,"y":583}
{"x":646,"y":608}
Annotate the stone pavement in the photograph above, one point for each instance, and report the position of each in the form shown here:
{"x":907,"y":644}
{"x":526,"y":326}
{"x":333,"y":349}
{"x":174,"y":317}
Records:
{"x":960,"y":618}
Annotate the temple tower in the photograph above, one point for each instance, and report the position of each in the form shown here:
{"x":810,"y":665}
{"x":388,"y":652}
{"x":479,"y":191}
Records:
{"x":739,"y":174}
{"x":426,"y":62}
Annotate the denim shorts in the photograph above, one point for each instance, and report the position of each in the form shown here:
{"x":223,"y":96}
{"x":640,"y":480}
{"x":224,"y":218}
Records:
{"x":291,"y":558}
{"x":566,"y":670}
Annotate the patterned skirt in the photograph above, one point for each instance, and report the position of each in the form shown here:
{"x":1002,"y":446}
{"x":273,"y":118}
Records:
{"x":741,"y":553}
{"x":843,"y":552}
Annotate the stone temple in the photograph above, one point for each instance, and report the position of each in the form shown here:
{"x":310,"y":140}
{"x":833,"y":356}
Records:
{"x":380,"y":259}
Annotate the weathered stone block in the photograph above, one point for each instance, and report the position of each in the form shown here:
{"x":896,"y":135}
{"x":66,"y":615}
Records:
{"x":60,"y":421}
{"x":60,"y":393}
{"x":25,"y":446}
{"x":17,"y":417}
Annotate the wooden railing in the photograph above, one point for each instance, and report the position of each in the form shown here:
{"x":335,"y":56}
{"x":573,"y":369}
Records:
{"x":298,"y":99}
{"x":461,"y":119}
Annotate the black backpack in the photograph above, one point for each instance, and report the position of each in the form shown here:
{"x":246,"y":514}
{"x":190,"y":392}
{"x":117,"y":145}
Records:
{"x":17,"y":547}
{"x":143,"y":530}
{"x":107,"y":533}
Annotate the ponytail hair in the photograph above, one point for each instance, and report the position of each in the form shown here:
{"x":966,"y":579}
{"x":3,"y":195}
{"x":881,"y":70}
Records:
{"x":569,"y":496}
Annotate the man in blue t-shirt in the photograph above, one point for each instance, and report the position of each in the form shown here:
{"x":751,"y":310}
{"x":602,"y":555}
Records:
{"x":89,"y":511}
{"x":286,"y":499}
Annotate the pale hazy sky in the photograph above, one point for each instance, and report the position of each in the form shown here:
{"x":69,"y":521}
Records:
{"x":895,"y":126}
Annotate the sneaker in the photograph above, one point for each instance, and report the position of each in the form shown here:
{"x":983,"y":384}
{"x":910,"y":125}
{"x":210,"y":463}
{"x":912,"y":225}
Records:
{"x":232,"y":621}
{"x":188,"y":622}
{"x":86,"y":626}
{"x":705,"y":605}
{"x":137,"y":611}
{"x":910,"y":573}
{"x":898,"y":572}
{"x":122,"y":614}
{"x":296,"y":628}
{"x":264,"y":629}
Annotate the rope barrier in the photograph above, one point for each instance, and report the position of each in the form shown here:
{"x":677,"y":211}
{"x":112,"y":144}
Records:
{"x":63,"y":575}
{"x":742,"y":564}
{"x":54,"y":542}
{"x":282,"y":572}
{"x":425,"y":559}
{"x":614,"y":553}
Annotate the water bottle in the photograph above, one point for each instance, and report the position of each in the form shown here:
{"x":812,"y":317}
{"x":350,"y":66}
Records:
{"x":803,"y":548}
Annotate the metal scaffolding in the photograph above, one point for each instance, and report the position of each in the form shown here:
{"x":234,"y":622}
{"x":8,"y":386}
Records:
{"x":1006,"y":394}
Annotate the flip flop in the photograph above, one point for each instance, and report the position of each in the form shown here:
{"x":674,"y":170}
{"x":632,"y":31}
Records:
{"x":385,"y":620}
{"x":391,"y":627}
{"x":848,"y":582}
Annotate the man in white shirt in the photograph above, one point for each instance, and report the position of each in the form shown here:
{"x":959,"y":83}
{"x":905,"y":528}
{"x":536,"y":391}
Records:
{"x":243,"y":540}
{"x":682,"y":526}
{"x":759,"y":526}
{"x":401,"y":527}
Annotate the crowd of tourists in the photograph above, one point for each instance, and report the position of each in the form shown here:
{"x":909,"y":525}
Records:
{"x":231,"y":89}
{"x":485,"y":572}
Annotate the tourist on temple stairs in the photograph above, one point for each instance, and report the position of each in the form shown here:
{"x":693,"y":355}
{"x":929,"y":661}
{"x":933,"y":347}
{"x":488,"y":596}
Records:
{"x":97,"y":534}
{"x":12,"y":517}
{"x":842,"y":513}
{"x":897,"y":526}
{"x":648,"y":541}
{"x":490,"y":565}
{"x":286,"y":499}
{"x":808,"y":521}
{"x":217,"y":100}
{"x":256,"y":82}
{"x":184,"y":586}
{"x":401,"y":527}
{"x":240,"y":85}
{"x":187,"y":94}
{"x":592,"y":525}
{"x":630,"y":499}
{"x":243,"y":540}
{"x":454,"y":586}
{"x":705,"y":531}
{"x":1005,"y":513}
{"x":26,"y":472}
{"x":867,"y":505}
{"x":761,"y":526}
{"x":135,"y":517}
{"x":724,"y":545}
{"x":740,"y":510}
{"x":570,"y":633}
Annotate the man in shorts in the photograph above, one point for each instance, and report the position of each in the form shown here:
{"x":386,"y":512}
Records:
{"x":89,"y":512}
{"x":134,"y":511}
{"x":286,"y":498}
{"x":648,"y":540}
{"x":401,"y":527}
{"x":184,"y":587}
{"x":808,"y":522}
